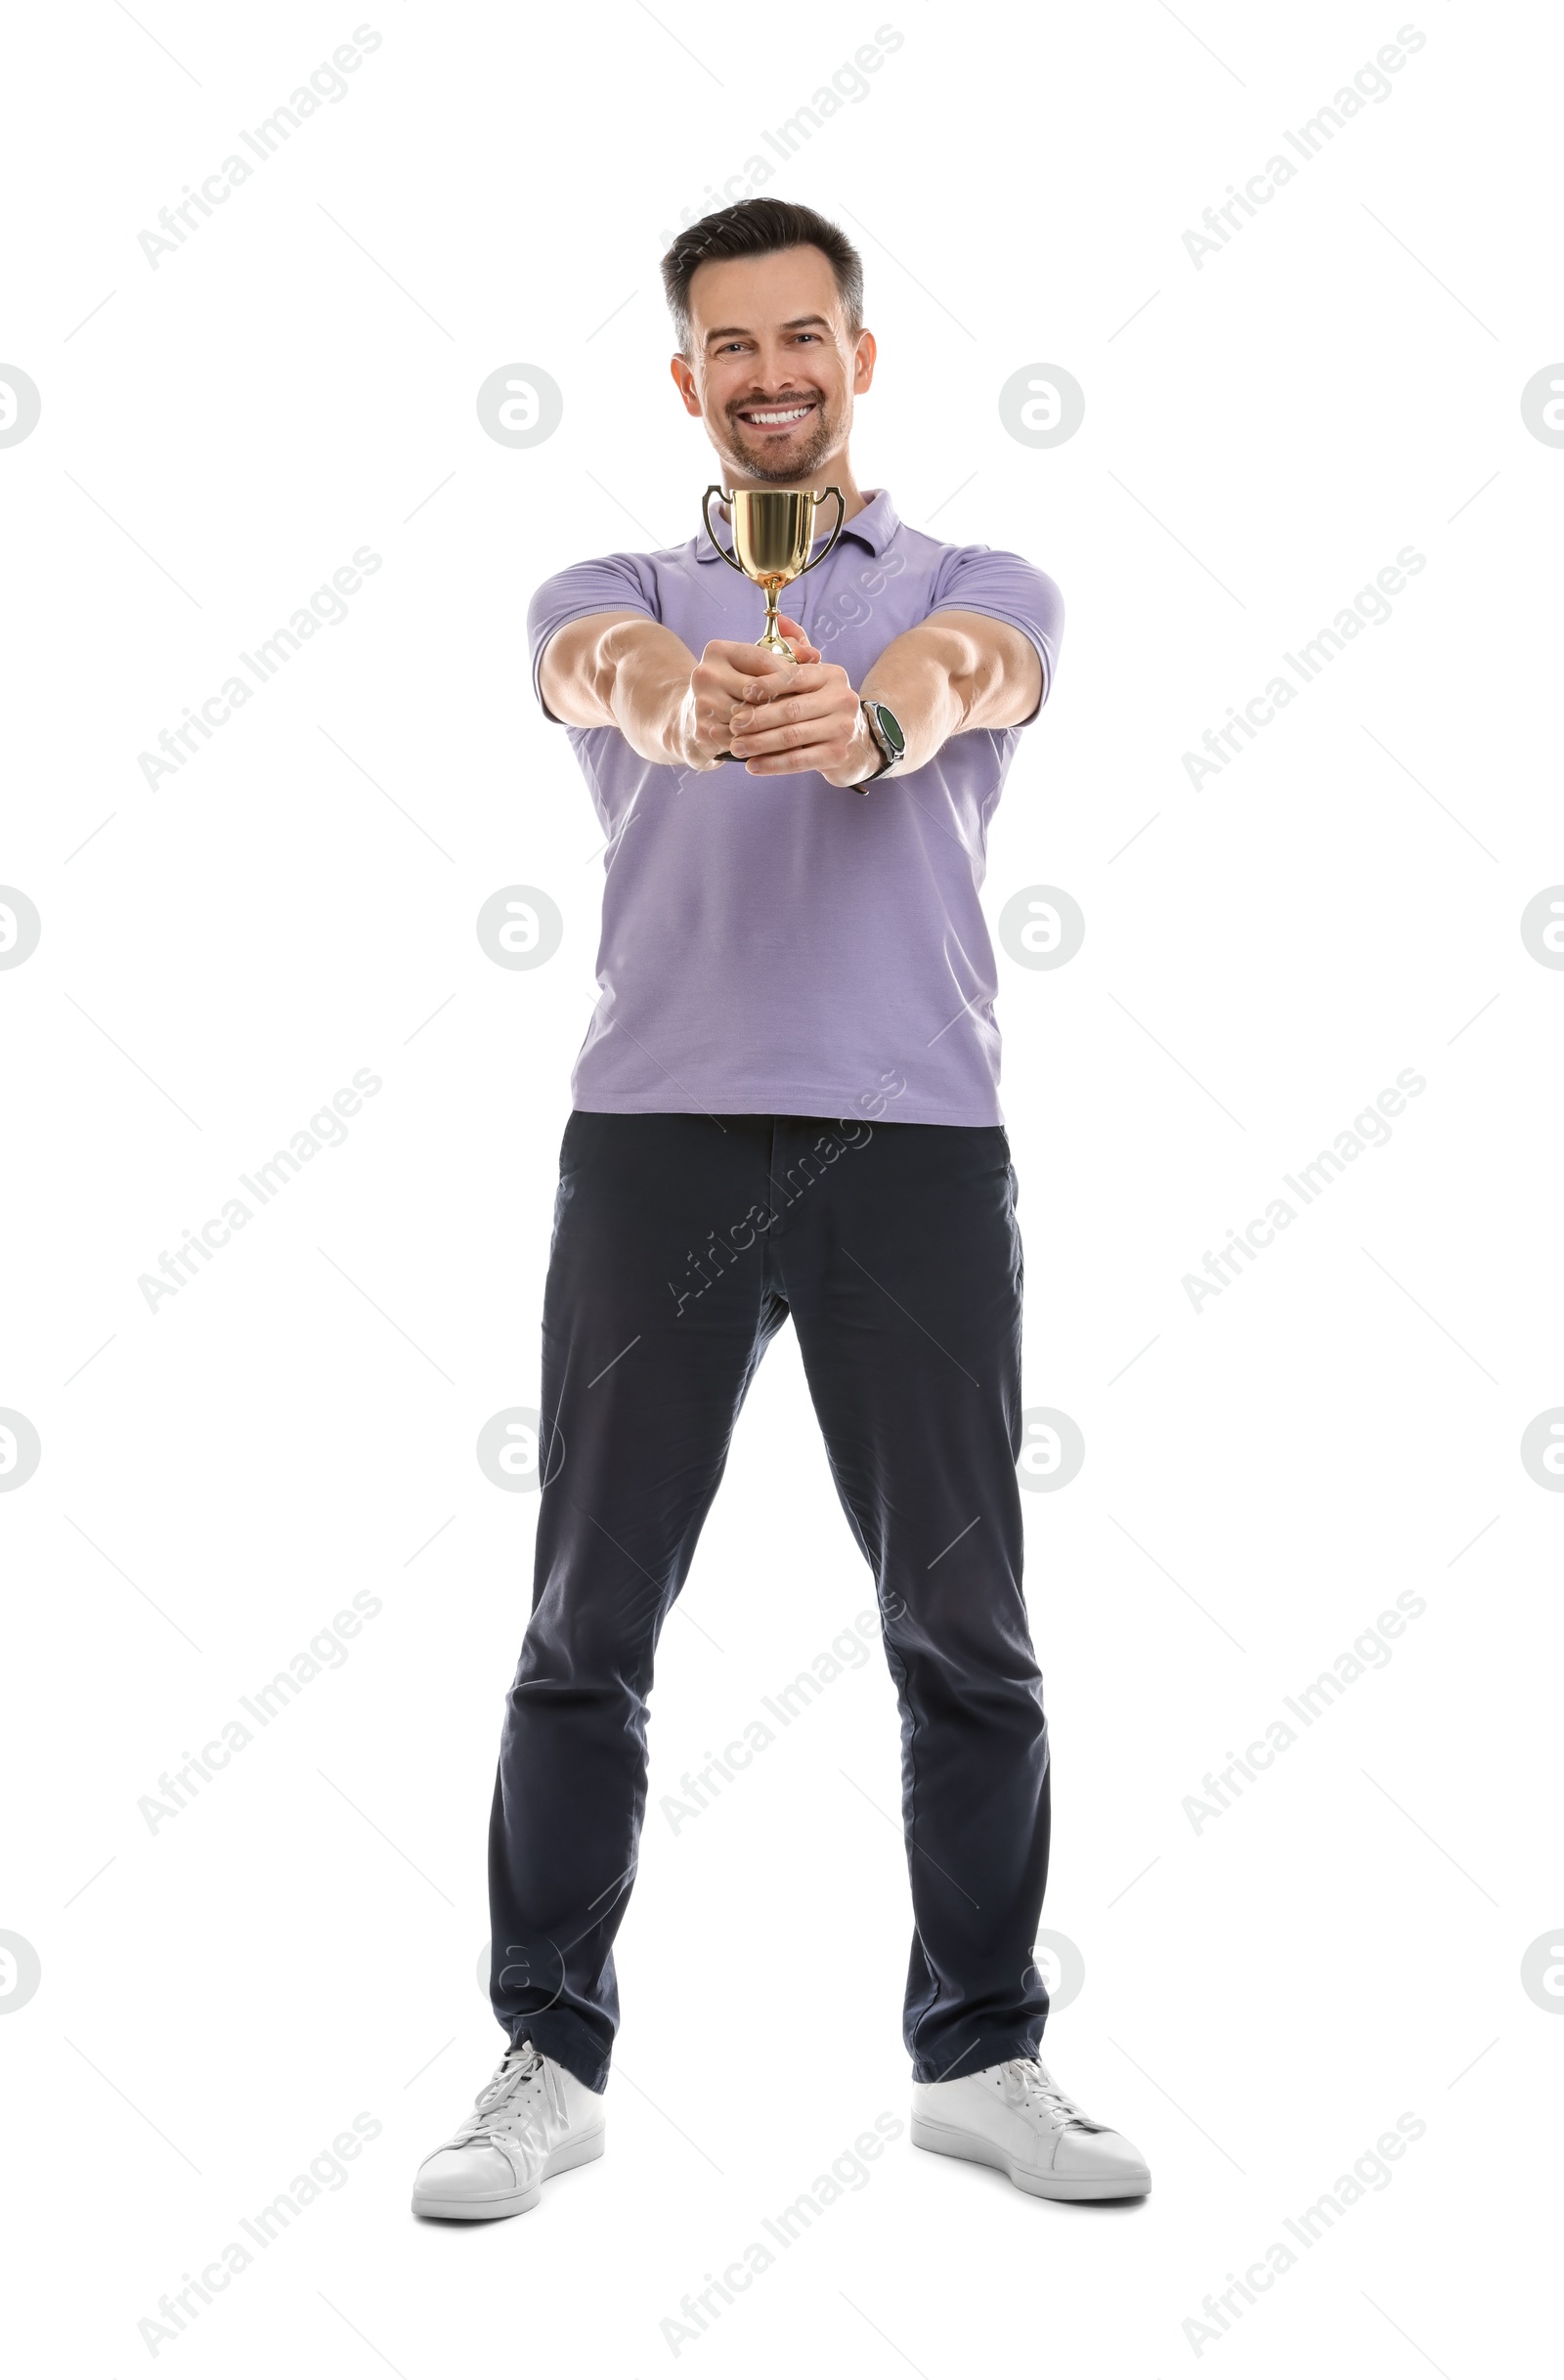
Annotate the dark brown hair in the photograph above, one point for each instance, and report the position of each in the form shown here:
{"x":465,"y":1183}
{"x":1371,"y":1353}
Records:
{"x":760,"y":227}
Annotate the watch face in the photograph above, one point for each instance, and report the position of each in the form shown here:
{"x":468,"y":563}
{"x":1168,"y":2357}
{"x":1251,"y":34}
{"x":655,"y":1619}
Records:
{"x":891,"y":729}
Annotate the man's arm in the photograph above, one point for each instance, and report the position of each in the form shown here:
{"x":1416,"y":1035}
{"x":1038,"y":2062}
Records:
{"x":622,"y":670}
{"x":954,"y":672}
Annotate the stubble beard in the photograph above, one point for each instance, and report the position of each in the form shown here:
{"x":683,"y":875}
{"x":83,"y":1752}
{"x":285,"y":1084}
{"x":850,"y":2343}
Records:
{"x":766,"y":466}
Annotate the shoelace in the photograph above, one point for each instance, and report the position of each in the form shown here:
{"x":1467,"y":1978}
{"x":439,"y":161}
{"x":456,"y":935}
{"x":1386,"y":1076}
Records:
{"x":503,"y":2118}
{"x":1027,"y":2078}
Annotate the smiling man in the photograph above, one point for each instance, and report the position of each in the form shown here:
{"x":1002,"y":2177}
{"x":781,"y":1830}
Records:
{"x":786,"y":1104}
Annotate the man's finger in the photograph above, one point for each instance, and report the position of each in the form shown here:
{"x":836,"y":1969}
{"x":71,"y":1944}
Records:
{"x":808,"y":678}
{"x":798,"y":639}
{"x":718,"y":682}
{"x":800,"y":763}
{"x":754,"y":661}
{"x":787,"y":742}
{"x":799,"y":699}
{"x":810,"y":727}
{"x":746,"y":660}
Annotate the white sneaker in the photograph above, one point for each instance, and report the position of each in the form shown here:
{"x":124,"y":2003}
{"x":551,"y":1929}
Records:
{"x":1016,"y":2117}
{"x":533,"y":2120}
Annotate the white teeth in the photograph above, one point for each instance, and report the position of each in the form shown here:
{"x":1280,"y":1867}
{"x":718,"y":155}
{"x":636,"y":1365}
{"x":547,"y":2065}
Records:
{"x":770,"y":419}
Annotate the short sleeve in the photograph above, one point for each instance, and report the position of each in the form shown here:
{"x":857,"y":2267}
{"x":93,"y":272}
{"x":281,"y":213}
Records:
{"x":1006,"y":586}
{"x":614,"y":583}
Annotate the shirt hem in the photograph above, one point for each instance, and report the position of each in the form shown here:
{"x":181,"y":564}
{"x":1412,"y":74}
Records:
{"x":831,"y":1106}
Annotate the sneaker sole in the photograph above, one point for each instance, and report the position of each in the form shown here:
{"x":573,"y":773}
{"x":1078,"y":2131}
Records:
{"x":945,"y":2141}
{"x":569,"y":2153}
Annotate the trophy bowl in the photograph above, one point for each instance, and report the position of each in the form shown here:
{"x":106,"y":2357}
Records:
{"x":773,"y":528}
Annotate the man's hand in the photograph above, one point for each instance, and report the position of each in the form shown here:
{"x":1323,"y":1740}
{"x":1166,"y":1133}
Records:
{"x":789,"y":722}
{"x":779,"y":717}
{"x":726,"y":677}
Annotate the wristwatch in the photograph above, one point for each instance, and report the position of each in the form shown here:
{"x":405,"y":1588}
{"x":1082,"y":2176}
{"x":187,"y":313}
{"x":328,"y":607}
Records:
{"x":886,"y":729}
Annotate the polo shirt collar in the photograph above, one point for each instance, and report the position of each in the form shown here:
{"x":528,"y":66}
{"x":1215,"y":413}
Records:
{"x":874,"y":526}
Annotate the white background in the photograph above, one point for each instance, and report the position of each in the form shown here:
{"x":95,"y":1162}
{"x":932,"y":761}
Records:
{"x":220,"y":954}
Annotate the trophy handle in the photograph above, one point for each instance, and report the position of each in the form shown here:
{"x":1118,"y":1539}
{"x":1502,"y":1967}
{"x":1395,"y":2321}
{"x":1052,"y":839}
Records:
{"x":842,"y":515}
{"x":716,"y":489}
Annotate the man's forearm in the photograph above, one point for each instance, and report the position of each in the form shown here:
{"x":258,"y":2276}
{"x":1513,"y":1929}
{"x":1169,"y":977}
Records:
{"x":954,"y":670}
{"x":628,"y":672}
{"x":621,"y":669}
{"x":952,"y":673}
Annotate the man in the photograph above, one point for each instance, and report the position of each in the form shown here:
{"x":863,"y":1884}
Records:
{"x":785,"y":1103}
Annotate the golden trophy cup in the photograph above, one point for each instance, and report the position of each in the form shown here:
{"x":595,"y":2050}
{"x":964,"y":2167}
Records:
{"x":773,"y":528}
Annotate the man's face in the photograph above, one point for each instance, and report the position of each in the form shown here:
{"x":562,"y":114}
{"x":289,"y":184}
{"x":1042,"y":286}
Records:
{"x":774,"y":368}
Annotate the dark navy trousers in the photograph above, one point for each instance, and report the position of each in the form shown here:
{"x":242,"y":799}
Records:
{"x":682,"y":1243}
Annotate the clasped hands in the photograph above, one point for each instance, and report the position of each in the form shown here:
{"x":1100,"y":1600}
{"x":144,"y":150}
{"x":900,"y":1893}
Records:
{"x":778,"y":718}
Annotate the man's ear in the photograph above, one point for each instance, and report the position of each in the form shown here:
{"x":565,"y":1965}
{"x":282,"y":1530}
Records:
{"x":684,"y":382}
{"x":863,"y":360}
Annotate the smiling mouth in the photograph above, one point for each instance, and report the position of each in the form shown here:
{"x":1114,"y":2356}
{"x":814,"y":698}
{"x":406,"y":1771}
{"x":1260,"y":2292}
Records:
{"x":778,"y":416}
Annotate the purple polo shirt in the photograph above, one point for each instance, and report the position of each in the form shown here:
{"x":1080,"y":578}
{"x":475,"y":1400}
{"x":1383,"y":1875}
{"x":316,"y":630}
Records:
{"x":778,"y":945}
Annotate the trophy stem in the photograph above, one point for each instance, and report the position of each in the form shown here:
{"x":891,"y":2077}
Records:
{"x":772,"y":639}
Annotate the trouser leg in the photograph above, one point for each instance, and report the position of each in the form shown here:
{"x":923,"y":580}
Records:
{"x":646,"y":1362}
{"x":900,"y":1258}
